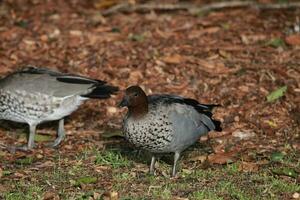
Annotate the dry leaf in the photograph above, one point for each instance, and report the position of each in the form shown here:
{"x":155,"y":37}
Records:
{"x":50,"y":195}
{"x":293,"y":40}
{"x":250,"y":39}
{"x":243,"y":134}
{"x":199,"y":158}
{"x":214,"y":67}
{"x":173,"y":59}
{"x":248,"y":167}
{"x":96,"y":195}
{"x":46,"y":164}
{"x":76,"y":33}
{"x":222,"y":158}
{"x":135,"y":76}
{"x":111,"y":195}
{"x":19,"y":175}
{"x":198,"y":33}
{"x":111,"y":109}
{"x":296,"y":195}
{"x":3,"y":189}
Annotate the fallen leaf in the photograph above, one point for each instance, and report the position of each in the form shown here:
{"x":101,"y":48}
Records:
{"x":48,"y":163}
{"x":136,"y":37}
{"x":111,"y":109}
{"x":3,"y":189}
{"x":199,"y":158}
{"x":50,"y":195}
{"x":135,"y":76}
{"x":111,"y":196}
{"x":213,"y":67}
{"x":96,"y":195}
{"x":76,"y":33}
{"x":109,"y":134}
{"x":293,"y":40}
{"x":248,"y":167}
{"x":180,"y":198}
{"x":1,"y":172}
{"x":101,"y":168}
{"x":173,"y":59}
{"x":296,"y":195}
{"x":271,"y":123}
{"x":19,"y":175}
{"x":243,"y":134}
{"x":276,"y":94}
{"x":250,"y":39}
{"x":198,"y":33}
{"x":222,"y":158}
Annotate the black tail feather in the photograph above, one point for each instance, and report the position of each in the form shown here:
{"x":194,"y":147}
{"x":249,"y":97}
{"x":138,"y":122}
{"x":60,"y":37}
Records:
{"x":217,"y":125}
{"x":102,"y":92}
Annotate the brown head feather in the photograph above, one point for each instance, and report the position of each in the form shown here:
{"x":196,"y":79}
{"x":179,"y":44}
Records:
{"x":136,"y":101}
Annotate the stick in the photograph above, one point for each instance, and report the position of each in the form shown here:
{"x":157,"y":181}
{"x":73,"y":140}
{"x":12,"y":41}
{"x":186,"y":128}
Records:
{"x":193,"y":9}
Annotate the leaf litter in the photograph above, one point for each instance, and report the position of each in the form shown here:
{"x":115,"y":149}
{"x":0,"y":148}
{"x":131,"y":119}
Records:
{"x":218,"y":57}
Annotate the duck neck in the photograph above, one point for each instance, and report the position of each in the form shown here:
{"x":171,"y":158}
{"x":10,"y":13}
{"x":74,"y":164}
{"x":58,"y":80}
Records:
{"x":139,"y":111}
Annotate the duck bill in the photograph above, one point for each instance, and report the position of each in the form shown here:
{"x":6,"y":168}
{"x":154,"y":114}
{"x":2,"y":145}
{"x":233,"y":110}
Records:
{"x":124,"y":102}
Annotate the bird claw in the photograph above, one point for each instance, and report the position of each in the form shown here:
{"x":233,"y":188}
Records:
{"x":151,"y":172}
{"x":55,"y":144}
{"x":25,"y":148}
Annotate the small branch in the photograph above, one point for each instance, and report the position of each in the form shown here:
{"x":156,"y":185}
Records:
{"x":127,"y":7}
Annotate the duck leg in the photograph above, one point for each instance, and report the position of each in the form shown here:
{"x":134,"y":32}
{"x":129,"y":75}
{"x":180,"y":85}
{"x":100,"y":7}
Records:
{"x":152,"y":165}
{"x":32,"y":129}
{"x":30,"y":144}
{"x":60,"y":134}
{"x":176,"y":158}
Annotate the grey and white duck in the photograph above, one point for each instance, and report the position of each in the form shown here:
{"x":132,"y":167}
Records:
{"x":35,"y":95}
{"x":165,"y":123}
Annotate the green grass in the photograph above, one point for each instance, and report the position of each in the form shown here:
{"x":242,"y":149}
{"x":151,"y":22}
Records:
{"x":77,"y":178}
{"x":20,"y":193}
{"x":111,"y":158}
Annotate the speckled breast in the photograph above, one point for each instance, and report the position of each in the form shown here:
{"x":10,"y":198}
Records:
{"x":153,"y":132}
{"x":20,"y":106}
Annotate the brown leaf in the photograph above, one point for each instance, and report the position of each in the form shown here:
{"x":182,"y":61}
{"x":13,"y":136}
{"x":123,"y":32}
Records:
{"x":1,"y":172}
{"x":111,"y":195}
{"x":3,"y":189}
{"x":173,"y":59}
{"x":250,"y":39}
{"x":243,"y":134}
{"x":46,"y":164}
{"x":200,"y":158}
{"x":248,"y":167}
{"x":293,"y":40}
{"x":296,"y":195}
{"x":19,"y":175}
{"x":76,"y":33}
{"x":135,"y":76}
{"x":50,"y":195}
{"x":198,"y":33}
{"x":214,"y":67}
{"x":222,"y":158}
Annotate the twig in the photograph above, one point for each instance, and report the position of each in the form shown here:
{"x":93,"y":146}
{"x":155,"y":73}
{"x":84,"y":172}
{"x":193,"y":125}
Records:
{"x":192,"y":8}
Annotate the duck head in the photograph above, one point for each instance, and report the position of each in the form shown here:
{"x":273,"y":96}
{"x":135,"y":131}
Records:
{"x":136,"y":101}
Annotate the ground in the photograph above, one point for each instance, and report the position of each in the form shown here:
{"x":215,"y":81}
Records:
{"x":232,"y":57}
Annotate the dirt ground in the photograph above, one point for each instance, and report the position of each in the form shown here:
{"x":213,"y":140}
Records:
{"x":233,"y":57}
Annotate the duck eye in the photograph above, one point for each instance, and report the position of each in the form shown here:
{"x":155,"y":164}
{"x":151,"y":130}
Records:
{"x":136,"y":94}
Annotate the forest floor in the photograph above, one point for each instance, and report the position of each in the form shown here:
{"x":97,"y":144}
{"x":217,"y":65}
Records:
{"x":233,"y":57}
